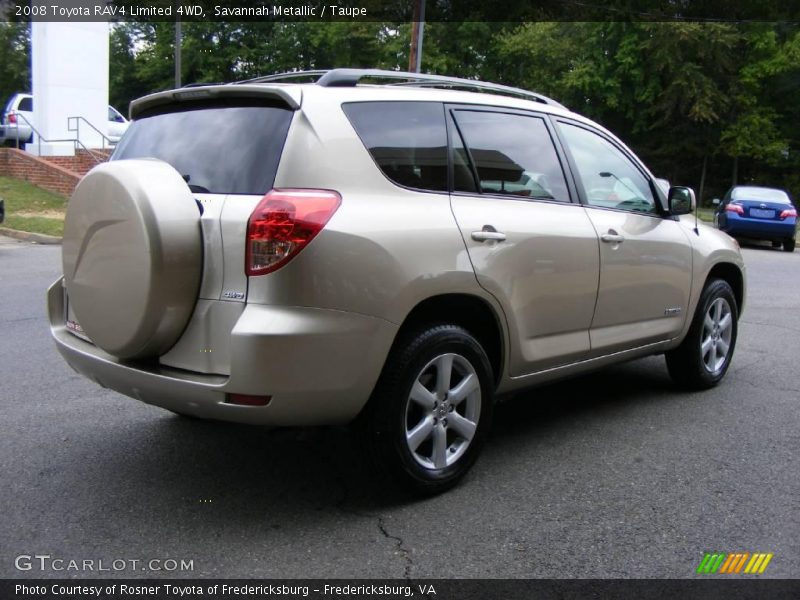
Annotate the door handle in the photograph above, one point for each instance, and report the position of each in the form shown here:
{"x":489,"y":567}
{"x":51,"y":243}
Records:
{"x":612,"y":238}
{"x":488,"y":233}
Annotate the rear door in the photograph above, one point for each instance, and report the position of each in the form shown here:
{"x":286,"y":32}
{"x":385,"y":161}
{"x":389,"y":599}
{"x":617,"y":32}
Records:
{"x":645,"y":257}
{"x":228,"y":152}
{"x":531,"y":246}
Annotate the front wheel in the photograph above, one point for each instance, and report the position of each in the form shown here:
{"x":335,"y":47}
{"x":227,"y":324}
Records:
{"x":427,"y":420}
{"x":703,"y":358}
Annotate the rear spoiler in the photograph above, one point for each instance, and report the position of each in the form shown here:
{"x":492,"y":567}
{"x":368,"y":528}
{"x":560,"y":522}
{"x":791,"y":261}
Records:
{"x":292,"y":96}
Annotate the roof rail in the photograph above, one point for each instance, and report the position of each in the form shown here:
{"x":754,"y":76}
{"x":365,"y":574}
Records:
{"x":289,"y":76}
{"x":199,"y":84}
{"x":351,"y":77}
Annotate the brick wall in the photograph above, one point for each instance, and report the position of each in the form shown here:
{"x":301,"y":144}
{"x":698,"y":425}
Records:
{"x":81,"y":163}
{"x":59,"y":174}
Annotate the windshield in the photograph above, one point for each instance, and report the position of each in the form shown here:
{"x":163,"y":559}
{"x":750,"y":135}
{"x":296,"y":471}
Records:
{"x":225,"y":147}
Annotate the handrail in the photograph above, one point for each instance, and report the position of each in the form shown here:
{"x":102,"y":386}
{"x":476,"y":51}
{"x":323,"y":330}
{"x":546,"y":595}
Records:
{"x":77,"y":128}
{"x":39,"y":138}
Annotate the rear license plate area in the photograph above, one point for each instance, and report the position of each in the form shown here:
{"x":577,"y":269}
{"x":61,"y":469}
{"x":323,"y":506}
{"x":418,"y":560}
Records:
{"x":71,"y":322}
{"x":760,"y":213}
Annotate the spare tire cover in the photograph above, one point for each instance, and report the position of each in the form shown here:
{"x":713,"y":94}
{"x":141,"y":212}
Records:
{"x":132,"y":256}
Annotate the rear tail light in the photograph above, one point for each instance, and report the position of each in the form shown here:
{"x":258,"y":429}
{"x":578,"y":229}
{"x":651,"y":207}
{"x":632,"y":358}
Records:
{"x":789,"y":212}
{"x":737,"y":208}
{"x":283,"y":223}
{"x":12,"y":118}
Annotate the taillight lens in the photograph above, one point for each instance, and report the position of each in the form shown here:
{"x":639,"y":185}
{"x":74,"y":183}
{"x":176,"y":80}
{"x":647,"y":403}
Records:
{"x":789,"y":212}
{"x":12,"y":118}
{"x":283,"y":223}
{"x":737,"y":208}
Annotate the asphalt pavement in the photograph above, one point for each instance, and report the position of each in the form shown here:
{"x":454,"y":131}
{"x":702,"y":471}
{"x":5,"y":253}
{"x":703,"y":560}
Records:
{"x":615,"y":474}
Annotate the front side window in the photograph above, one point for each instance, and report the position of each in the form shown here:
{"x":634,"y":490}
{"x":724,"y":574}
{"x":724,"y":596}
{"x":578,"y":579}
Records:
{"x":513,"y":155}
{"x":407,"y":140}
{"x":609,"y":178}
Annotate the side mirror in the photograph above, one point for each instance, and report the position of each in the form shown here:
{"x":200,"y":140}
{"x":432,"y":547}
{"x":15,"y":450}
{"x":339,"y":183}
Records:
{"x":681,"y":200}
{"x":715,"y":201}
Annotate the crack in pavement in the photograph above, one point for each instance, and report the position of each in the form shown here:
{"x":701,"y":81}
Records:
{"x":400,"y":546}
{"x":339,"y":480}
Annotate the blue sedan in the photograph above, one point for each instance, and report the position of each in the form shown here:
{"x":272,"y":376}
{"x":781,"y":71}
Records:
{"x":758,"y":213}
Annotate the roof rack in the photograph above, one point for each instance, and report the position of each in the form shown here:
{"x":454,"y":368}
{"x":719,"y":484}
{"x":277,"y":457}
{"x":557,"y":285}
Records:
{"x":288,"y":76}
{"x":351,"y":78}
{"x":200,"y":84}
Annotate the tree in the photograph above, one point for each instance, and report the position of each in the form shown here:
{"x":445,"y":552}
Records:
{"x":15,"y":59}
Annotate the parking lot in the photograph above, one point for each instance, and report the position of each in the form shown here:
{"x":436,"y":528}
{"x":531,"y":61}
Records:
{"x":615,"y":474}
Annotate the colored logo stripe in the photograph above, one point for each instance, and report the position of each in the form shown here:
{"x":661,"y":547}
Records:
{"x":711,"y":563}
{"x":722,"y":563}
{"x":758,"y":563}
{"x":734,"y":563}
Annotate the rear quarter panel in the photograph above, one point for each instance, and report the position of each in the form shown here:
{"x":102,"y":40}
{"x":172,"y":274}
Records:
{"x":385,"y":249}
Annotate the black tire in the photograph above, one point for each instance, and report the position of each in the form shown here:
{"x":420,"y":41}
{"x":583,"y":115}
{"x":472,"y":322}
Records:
{"x":788,"y":245}
{"x":776,"y":244}
{"x":391,"y":414}
{"x":687,"y":363}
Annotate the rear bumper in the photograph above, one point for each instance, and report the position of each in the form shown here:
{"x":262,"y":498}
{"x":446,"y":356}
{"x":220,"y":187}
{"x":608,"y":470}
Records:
{"x":319,"y":366}
{"x":9,"y":132}
{"x":758,"y":228}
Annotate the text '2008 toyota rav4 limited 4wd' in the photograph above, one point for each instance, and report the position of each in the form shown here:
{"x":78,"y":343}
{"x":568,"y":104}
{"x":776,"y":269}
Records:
{"x":287,"y":253}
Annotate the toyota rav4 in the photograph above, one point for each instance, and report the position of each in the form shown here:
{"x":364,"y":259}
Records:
{"x":395,"y":254}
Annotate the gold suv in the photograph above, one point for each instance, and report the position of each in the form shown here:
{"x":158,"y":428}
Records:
{"x":390,"y":249}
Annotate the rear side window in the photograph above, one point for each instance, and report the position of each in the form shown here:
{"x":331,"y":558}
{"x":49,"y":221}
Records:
{"x":513,"y":155}
{"x":26,"y":104}
{"x":225,"y":147}
{"x":407,"y":140}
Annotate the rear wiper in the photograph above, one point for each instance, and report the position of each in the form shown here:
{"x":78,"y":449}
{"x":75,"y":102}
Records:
{"x":195,"y":188}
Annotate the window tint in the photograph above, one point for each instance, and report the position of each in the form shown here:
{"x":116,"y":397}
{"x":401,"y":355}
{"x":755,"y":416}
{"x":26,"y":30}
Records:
{"x":225,"y":147}
{"x":26,"y":104}
{"x":513,"y":154}
{"x":407,"y":139}
{"x":609,"y":178}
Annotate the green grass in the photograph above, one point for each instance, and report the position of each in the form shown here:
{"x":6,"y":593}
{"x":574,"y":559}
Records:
{"x":706,"y":214}
{"x":30,"y":208}
{"x":44,"y":225}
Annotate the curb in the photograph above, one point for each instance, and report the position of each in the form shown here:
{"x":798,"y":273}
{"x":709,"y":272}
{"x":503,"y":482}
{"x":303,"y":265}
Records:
{"x":38,"y":238}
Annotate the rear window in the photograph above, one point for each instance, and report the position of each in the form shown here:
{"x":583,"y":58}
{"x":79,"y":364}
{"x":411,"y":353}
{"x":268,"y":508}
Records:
{"x":225,"y":147}
{"x":26,"y":104}
{"x":763,"y":194}
{"x":407,"y":140}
